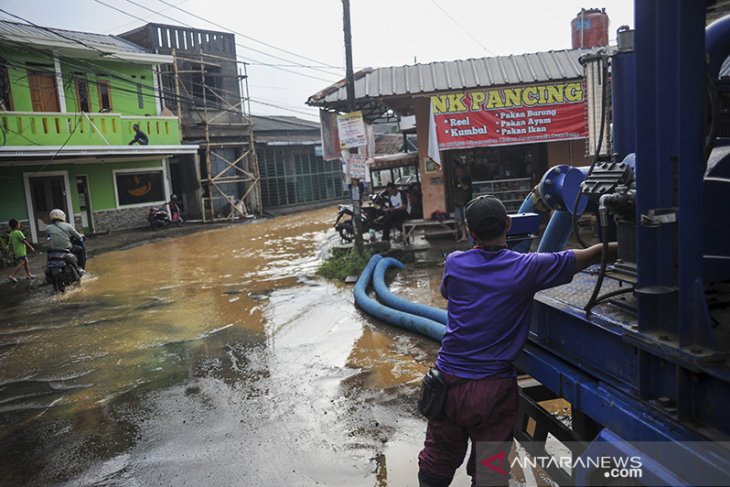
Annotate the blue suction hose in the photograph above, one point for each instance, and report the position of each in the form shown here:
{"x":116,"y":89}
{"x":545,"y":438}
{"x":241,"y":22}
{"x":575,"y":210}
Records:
{"x":391,"y":300}
{"x":419,"y":324}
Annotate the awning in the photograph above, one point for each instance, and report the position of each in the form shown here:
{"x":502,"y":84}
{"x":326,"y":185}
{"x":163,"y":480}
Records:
{"x":394,"y":160}
{"x":393,"y":87}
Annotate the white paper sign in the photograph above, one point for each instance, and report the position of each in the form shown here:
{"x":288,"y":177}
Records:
{"x":357,"y":166}
{"x":352,"y":130}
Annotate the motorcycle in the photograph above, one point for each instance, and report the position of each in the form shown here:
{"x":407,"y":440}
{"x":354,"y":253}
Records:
{"x":160,"y":218}
{"x":371,"y":217}
{"x":64,"y":268}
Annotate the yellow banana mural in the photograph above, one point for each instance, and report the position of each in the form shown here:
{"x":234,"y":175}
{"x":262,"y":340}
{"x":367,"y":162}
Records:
{"x":140,"y":191}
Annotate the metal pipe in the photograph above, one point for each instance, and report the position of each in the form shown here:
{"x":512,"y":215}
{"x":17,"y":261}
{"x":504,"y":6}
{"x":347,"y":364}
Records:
{"x":391,"y":316}
{"x":557,"y":232}
{"x":623,"y":81}
{"x":559,"y":189}
{"x":391,"y":300}
{"x":530,"y":203}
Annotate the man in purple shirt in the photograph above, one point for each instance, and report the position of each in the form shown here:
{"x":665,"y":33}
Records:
{"x":490,"y":291}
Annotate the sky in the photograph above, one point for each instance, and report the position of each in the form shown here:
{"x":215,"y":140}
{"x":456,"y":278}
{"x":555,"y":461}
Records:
{"x":295,"y":48}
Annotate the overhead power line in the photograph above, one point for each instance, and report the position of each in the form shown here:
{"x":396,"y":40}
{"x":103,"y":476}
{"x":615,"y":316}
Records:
{"x":58,"y":34}
{"x":238,"y":44}
{"x":227,"y":30}
{"x":116,"y":29}
{"x":122,"y":11}
{"x":246,"y":36}
{"x":288,"y":65}
{"x":279,"y":104}
{"x":132,"y":94}
{"x":244,"y":59}
{"x":462,"y":28}
{"x":80,"y":64}
{"x":301,"y":112}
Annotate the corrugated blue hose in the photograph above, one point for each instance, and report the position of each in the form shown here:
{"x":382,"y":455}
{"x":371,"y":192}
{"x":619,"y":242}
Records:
{"x":391,"y":300}
{"x":419,"y":324}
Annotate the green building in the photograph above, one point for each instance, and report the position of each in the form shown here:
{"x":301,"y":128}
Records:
{"x":68,"y":103}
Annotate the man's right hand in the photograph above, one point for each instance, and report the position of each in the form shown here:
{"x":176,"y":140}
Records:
{"x":592,"y":255}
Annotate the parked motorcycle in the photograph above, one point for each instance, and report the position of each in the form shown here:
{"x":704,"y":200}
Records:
{"x":64,"y":268}
{"x":371,"y":217}
{"x":160,"y":218}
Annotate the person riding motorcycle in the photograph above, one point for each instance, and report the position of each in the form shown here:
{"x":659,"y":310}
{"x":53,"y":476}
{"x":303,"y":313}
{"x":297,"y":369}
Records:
{"x":60,"y":234}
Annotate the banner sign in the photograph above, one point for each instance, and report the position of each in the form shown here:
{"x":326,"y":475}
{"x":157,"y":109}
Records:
{"x":510,"y":115}
{"x":330,"y":136}
{"x":352,"y":130}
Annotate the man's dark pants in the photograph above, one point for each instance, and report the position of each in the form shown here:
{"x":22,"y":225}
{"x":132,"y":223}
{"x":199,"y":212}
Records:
{"x":392,"y":219}
{"x":481,"y":410}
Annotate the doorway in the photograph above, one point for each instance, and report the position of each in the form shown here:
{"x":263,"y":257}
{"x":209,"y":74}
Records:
{"x":82,"y":190}
{"x":43,"y":92}
{"x":44,"y":192}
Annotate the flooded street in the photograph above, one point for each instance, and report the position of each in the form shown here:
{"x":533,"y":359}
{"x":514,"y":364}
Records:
{"x":217,"y":358}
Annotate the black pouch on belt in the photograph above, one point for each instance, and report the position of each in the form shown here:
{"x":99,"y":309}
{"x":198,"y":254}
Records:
{"x":434,"y":389}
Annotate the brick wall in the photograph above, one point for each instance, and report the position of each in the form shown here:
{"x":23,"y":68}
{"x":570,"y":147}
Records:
{"x":121,"y":219}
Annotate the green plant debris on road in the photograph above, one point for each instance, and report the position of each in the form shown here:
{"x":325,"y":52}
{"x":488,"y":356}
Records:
{"x":344,"y":263}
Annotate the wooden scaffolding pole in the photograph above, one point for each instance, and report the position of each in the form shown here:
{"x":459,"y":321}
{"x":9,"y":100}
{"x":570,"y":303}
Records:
{"x":235,"y":182}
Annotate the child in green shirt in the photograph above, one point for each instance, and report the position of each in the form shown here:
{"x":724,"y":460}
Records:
{"x":19,"y":244}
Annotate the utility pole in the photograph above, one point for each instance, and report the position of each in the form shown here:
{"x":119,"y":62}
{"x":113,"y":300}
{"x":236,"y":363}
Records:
{"x":350,"y":84}
{"x":349,"y":75}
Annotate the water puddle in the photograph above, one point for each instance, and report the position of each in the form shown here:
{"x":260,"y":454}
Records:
{"x":217,"y":358}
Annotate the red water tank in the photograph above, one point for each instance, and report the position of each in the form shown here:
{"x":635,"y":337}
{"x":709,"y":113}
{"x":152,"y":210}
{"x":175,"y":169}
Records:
{"x":590,"y":28}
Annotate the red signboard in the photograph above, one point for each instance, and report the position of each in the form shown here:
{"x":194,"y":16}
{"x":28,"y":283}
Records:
{"x":510,"y":115}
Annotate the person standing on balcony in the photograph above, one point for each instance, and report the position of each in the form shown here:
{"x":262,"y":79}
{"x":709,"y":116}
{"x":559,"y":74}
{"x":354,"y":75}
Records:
{"x":139,"y":136}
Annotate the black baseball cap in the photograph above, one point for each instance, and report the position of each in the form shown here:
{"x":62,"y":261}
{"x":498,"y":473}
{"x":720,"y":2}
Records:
{"x":486,"y":216}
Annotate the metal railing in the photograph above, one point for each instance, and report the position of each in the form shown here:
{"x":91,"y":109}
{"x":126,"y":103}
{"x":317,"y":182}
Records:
{"x":56,"y":129}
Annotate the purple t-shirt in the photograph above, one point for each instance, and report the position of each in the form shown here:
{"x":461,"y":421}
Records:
{"x":490,"y":306}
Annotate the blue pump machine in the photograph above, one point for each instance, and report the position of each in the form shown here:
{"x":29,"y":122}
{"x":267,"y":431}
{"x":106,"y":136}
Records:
{"x":647,"y":359}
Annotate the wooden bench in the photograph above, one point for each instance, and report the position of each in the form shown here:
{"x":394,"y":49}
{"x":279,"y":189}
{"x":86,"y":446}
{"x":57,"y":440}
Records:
{"x":430,"y":227}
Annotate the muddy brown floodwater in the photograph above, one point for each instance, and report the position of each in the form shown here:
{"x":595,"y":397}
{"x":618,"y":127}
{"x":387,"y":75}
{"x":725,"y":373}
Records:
{"x":211,"y":359}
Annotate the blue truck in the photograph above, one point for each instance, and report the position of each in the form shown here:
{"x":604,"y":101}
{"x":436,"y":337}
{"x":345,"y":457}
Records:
{"x":640,"y":349}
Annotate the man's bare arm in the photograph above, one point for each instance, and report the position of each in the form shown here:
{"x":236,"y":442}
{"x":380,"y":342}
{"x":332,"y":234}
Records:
{"x":592,"y":255}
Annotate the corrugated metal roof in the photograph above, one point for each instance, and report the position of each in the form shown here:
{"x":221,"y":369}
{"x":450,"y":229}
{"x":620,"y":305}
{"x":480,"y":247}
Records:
{"x":284,"y":130}
{"x":70,"y":40}
{"x":456,"y":75}
{"x":282,"y":123}
{"x":286,"y":140}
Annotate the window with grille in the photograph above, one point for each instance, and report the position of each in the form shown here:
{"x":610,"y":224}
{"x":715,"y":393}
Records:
{"x":105,"y":95}
{"x":297,"y":176}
